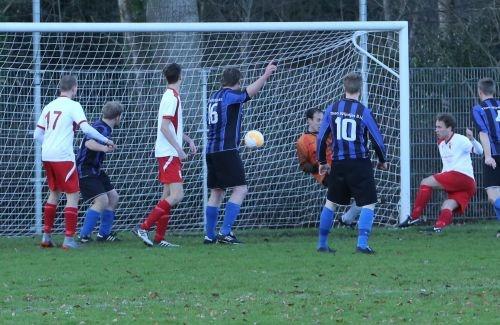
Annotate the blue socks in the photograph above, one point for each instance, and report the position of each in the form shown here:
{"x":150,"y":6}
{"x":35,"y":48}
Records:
{"x":91,"y":217}
{"x":107,"y":218}
{"x":211,"y":215}
{"x":232,"y":211}
{"x":325,"y":224}
{"x":497,"y":208}
{"x":365,"y":227}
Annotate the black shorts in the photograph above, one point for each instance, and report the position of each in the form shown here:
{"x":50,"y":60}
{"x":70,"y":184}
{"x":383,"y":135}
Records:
{"x":92,"y":186}
{"x":225,"y":169}
{"x":352,"y":179}
{"x":491,"y":177}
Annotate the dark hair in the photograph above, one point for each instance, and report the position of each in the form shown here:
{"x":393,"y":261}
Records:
{"x":487,"y":86}
{"x":230,"y":77}
{"x":172,"y":73}
{"x":311,"y":111}
{"x":353,"y":83}
{"x":67,"y":82}
{"x":112,"y":110}
{"x":448,"y":120}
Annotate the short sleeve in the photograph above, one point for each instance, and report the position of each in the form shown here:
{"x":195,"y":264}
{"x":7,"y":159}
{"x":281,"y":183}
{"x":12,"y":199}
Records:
{"x":78,"y":115}
{"x":237,"y":97}
{"x":477,"y":117}
{"x":168,"y":105}
{"x":42,"y":123}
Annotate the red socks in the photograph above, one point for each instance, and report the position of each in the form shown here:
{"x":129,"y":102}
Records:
{"x":70,"y":218}
{"x":161,"y":227}
{"x":162,"y":208}
{"x":444,"y":219}
{"x":424,"y":194}
{"x":49,"y":215}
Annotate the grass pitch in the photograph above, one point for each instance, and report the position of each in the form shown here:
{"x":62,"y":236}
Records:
{"x":277,"y":277}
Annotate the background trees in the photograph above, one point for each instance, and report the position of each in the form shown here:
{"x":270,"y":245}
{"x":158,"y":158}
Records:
{"x":442,"y":32}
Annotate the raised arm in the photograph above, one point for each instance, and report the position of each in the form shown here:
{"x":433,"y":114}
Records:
{"x":257,"y":85}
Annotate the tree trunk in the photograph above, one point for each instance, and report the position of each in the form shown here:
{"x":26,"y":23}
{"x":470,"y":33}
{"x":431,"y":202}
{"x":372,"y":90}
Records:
{"x":182,"y":48}
{"x":444,"y":15}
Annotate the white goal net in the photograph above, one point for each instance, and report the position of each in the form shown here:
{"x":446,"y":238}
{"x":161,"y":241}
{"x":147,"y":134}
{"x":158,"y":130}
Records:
{"x":126,"y":67}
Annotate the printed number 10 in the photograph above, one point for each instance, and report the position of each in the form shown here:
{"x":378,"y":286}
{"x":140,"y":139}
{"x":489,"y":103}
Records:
{"x":343,"y":128}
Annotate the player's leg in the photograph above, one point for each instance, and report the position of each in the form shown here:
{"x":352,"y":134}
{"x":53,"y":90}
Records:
{"x":71,"y":219}
{"x":226,"y":170}
{"x":108,"y":217}
{"x":424,"y":195}
{"x":325,"y":225}
{"x":349,"y":218}
{"x":338,"y":193}
{"x":445,"y":214}
{"x":361,"y":182}
{"x":493,"y":193}
{"x":169,"y":172}
{"x":233,"y":207}
{"x":212,"y":214}
{"x":108,"y":213}
{"x":49,"y":215}
{"x":175,"y":195}
{"x":92,"y":216}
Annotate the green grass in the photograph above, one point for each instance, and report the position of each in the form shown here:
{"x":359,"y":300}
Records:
{"x":275,"y":278}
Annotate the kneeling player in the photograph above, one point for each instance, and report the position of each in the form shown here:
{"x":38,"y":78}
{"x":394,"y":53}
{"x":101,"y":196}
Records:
{"x":456,"y":178}
{"x":94,"y":182}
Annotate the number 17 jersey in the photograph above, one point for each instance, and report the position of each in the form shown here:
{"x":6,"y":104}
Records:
{"x":60,"y":119}
{"x":224,"y":115}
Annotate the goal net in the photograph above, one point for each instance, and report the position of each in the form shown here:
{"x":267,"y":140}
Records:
{"x":125,"y":65}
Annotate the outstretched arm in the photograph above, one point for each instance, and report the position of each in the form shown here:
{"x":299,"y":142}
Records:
{"x":94,"y":134}
{"x":257,"y":85}
{"x":96,"y":146}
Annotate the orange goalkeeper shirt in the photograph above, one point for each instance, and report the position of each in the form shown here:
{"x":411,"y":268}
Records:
{"x":306,"y":152}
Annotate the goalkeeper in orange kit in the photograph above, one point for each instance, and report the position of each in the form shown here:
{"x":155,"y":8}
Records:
{"x":306,"y":152}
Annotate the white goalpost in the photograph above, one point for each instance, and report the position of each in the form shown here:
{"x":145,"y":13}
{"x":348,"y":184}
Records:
{"x":123,"y":62}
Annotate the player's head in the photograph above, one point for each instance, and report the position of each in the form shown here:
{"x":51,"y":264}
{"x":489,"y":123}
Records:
{"x":172,"y":73}
{"x":445,"y":125}
{"x":231,"y":77}
{"x":314,"y":117}
{"x":486,"y":88}
{"x":112,"y":111}
{"x":353,"y":83}
{"x":68,"y":85}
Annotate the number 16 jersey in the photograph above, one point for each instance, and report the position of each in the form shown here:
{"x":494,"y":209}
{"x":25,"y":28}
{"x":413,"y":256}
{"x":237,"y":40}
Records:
{"x":224,"y":115}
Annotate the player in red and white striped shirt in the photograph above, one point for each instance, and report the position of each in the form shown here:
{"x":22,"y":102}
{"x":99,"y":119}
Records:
{"x":456,"y":177}
{"x":169,"y":153}
{"x":55,"y":130}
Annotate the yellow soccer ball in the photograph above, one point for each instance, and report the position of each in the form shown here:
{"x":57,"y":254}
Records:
{"x":254,"y":139}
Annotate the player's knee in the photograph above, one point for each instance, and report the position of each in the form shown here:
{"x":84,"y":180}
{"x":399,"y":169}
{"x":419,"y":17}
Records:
{"x":241,"y":191}
{"x":101,"y":202}
{"x":369,"y":206}
{"x":113,"y":198}
{"x":176,"y":197}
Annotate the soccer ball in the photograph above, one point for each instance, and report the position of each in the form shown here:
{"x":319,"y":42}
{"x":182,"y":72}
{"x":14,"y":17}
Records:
{"x":254,"y":139}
